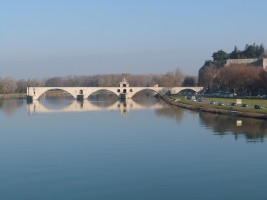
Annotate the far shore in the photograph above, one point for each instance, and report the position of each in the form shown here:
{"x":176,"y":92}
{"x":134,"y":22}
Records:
{"x":13,"y":96}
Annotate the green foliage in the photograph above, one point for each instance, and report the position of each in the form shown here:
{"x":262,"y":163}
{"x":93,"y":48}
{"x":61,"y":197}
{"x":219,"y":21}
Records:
{"x":220,"y":55}
{"x":190,"y":81}
{"x":1,"y":88}
{"x":250,"y":51}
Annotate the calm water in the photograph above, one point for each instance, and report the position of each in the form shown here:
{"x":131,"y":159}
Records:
{"x":60,"y":149}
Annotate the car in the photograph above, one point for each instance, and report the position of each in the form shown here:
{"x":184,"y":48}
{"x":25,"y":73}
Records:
{"x":212,"y":102}
{"x":245,"y":105}
{"x":258,"y":106}
{"x":233,"y":104}
{"x":221,"y":104}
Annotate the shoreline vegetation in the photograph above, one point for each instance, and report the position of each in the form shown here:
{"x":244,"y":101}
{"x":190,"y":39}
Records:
{"x":13,"y":96}
{"x":226,"y":110}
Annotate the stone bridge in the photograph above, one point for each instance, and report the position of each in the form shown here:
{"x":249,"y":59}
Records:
{"x":122,"y":91}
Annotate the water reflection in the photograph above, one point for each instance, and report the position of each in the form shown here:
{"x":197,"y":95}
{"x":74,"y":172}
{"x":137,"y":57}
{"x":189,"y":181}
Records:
{"x":171,"y":113}
{"x":253,"y":129}
{"x":176,"y":113}
{"x":56,"y":103}
{"x":124,"y":107}
{"x":103,"y":99}
{"x":9,"y":107}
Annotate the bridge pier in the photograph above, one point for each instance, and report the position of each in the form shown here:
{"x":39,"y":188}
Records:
{"x":29,"y":99}
{"x":80,"y":97}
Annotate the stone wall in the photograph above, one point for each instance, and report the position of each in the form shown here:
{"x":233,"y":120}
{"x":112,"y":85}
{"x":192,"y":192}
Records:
{"x":240,"y":61}
{"x":262,"y":62}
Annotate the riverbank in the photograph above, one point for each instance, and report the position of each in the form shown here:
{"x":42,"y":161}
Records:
{"x":227,"y":110}
{"x":13,"y":96}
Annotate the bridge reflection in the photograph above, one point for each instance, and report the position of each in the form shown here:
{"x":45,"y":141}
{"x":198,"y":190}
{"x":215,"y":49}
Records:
{"x":86,"y":106}
{"x":254,"y":130}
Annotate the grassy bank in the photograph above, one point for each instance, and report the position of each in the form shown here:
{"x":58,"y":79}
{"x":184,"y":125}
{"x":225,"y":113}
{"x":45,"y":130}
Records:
{"x":181,"y":101}
{"x":13,"y":96}
{"x":251,"y":102}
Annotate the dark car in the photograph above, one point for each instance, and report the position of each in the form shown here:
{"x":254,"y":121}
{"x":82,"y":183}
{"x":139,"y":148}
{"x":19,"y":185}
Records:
{"x":221,"y":104}
{"x":188,"y":98}
{"x":199,"y":100}
{"x":233,"y":104}
{"x":212,"y":102}
{"x":245,"y":105}
{"x":258,"y":107}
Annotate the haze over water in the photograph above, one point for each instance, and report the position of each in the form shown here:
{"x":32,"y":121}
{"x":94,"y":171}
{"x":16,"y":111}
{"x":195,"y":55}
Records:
{"x":156,"y":152}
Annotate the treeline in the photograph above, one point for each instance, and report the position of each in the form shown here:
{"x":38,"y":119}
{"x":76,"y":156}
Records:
{"x":250,"y":51}
{"x":170,"y":79}
{"x":240,"y":79}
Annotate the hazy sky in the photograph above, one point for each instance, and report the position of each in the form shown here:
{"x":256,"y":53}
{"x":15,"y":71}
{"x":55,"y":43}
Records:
{"x":43,"y":38}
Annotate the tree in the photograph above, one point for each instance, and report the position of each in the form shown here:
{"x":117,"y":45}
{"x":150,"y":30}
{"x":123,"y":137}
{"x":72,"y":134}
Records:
{"x":240,"y":79}
{"x":253,"y":51}
{"x":207,"y":76}
{"x":234,"y":54}
{"x":263,"y":80}
{"x":21,"y":86}
{"x":262,"y":50}
{"x":220,"y":55}
{"x":54,"y":81}
{"x":250,"y":51}
{"x":190,"y":81}
{"x":8,"y":85}
{"x":178,"y":77}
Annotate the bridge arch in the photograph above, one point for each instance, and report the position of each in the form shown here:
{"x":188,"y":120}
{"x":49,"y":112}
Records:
{"x":188,"y":91}
{"x":116,"y":92}
{"x":135,"y":92}
{"x":38,"y":92}
{"x":176,"y":90}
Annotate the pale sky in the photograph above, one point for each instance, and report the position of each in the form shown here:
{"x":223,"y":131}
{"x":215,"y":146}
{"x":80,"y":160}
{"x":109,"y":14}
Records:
{"x":44,"y":38}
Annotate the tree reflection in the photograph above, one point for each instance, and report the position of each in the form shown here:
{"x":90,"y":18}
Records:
{"x":253,"y":129}
{"x":9,"y":107}
{"x":171,"y":113}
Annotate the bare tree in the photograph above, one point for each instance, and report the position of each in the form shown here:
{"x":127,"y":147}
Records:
{"x":8,"y":84}
{"x":207,"y":77}
{"x":178,"y":77}
{"x":21,"y":86}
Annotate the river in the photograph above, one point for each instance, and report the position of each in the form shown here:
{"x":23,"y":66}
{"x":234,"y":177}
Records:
{"x":141,"y":149}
